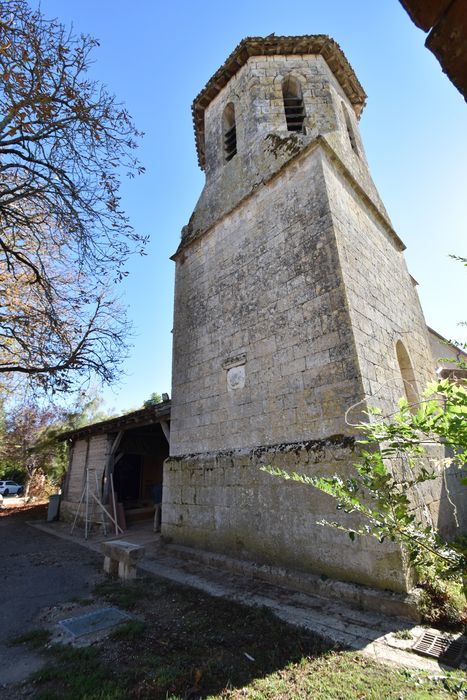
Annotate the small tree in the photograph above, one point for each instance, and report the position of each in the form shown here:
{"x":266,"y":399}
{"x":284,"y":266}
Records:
{"x":28,"y":444}
{"x":153,"y":400}
{"x":379,"y":495}
{"x":64,"y":239}
{"x":25,"y":445}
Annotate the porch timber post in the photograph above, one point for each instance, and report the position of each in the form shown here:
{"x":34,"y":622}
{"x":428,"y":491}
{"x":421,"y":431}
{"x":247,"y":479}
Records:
{"x":109,"y":465}
{"x":166,"y":430}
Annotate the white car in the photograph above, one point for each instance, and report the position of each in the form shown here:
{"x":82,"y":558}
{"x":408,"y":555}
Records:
{"x":7,"y":487}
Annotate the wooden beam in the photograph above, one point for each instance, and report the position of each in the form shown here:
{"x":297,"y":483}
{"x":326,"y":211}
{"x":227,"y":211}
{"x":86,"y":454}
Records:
{"x":110,"y":464}
{"x":166,"y":430}
{"x":116,"y":442}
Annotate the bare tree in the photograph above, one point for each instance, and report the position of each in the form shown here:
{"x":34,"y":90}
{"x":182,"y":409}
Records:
{"x":64,"y":239}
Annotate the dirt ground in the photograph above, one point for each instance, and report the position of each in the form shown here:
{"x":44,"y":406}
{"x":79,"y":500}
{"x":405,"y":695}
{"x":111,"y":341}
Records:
{"x":180,"y":642}
{"x":37,"y":572}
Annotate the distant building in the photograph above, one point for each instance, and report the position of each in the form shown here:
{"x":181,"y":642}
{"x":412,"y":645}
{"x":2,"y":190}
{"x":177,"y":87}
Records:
{"x":450,"y":361}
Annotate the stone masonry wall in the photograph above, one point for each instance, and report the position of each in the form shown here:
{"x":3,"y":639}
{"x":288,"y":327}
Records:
{"x":261,"y":297}
{"x":97,"y":458}
{"x":382,"y":300}
{"x":264,"y":356}
{"x":384,"y":308}
{"x":223,"y":502}
{"x":76,"y":471}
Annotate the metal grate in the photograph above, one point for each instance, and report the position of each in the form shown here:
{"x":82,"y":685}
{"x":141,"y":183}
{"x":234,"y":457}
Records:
{"x":294,"y":113}
{"x":96,"y":621}
{"x":450,"y":651}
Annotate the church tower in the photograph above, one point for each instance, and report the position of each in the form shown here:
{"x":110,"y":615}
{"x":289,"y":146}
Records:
{"x":293,"y":304}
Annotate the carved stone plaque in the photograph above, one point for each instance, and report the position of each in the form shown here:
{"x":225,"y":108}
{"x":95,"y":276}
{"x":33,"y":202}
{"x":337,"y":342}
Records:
{"x":236,"y":378}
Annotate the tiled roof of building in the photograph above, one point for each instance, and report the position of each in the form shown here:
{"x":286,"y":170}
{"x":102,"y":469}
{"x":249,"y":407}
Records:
{"x":309,"y":44}
{"x":144,"y":416}
{"x":446,"y":22}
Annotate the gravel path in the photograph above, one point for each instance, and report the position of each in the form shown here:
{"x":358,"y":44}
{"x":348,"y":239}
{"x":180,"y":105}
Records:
{"x":37,"y":571}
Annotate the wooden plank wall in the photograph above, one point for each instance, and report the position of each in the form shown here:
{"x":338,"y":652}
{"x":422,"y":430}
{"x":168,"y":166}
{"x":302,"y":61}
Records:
{"x":97,"y":457}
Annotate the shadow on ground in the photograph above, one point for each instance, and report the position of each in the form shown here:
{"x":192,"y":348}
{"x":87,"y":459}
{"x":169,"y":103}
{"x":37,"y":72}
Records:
{"x":192,"y":641}
{"x":181,"y":642}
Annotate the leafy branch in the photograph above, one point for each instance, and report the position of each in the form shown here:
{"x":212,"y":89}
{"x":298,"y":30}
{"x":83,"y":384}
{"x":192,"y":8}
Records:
{"x":377,"y":492}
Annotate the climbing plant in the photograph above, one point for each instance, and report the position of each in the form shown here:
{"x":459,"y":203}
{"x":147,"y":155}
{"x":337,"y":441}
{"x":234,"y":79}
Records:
{"x":377,"y":491}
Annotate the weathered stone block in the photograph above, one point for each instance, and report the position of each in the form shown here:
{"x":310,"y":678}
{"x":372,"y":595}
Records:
{"x":122,"y":558}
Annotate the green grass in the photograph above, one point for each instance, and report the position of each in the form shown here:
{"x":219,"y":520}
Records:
{"x":335,"y":676}
{"x":127,"y":596}
{"x":189,"y":645}
{"x":77,"y":674}
{"x":403,"y":634}
{"x":343,"y":676}
{"x":128,"y":630}
{"x":36,"y":639}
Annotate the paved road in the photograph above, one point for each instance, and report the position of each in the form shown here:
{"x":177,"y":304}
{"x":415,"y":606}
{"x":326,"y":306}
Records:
{"x":37,"y":570}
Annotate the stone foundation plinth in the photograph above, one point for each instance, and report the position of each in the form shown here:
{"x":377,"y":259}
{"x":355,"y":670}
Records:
{"x":224,"y":503}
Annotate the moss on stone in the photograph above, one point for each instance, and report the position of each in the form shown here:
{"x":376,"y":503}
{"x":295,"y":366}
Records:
{"x":283,"y":146}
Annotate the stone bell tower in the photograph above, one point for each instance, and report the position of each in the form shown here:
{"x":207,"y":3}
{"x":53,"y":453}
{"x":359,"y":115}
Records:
{"x":292,"y":303}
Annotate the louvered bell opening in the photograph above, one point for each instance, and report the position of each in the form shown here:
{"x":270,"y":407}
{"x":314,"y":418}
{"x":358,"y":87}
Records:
{"x":294,"y":113}
{"x":230,"y":143}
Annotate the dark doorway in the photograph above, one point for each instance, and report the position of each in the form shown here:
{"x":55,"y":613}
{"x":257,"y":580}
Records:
{"x":138,"y":471}
{"x":127,"y":478}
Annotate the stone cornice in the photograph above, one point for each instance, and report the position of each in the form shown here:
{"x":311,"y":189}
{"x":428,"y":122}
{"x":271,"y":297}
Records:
{"x":310,"y":44}
{"x":332,"y":442}
{"x":322,"y":142}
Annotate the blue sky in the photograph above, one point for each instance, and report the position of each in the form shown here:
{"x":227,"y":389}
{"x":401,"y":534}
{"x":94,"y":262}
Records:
{"x":156,"y":57}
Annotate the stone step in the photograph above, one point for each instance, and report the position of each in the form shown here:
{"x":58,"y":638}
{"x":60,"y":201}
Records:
{"x":358,"y":596}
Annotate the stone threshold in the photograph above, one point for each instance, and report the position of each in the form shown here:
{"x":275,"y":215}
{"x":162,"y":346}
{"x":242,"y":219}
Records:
{"x":353,"y":594}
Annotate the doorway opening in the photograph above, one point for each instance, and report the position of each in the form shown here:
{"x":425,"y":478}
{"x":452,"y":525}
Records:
{"x":138,"y":471}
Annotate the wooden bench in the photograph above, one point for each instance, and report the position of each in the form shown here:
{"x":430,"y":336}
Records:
{"x":121,"y":558}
